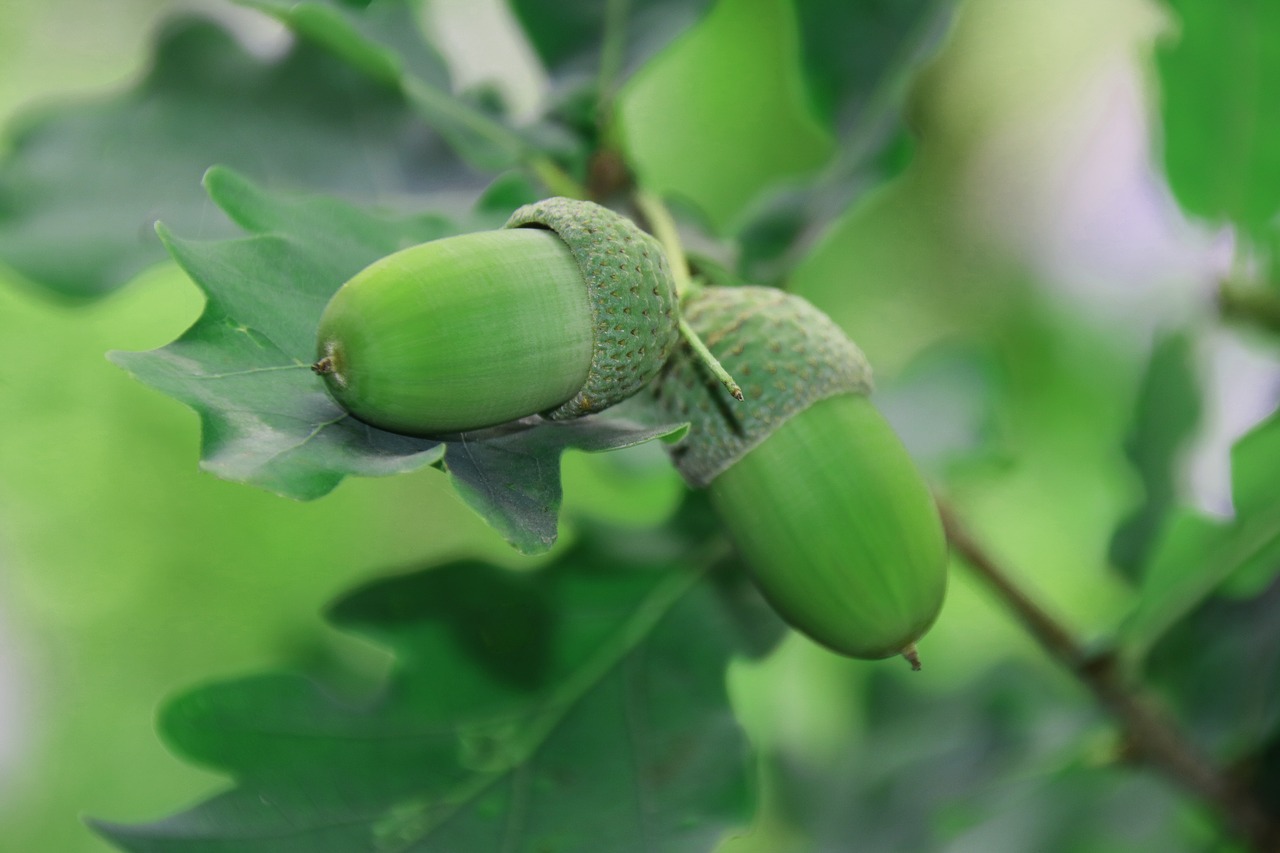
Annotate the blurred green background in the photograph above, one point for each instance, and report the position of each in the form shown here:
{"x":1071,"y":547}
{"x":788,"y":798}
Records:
{"x":1006,"y":287}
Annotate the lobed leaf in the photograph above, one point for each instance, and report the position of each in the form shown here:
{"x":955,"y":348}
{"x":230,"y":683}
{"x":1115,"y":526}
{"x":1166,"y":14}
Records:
{"x":267,"y":420}
{"x":580,"y":708}
{"x":83,"y":185}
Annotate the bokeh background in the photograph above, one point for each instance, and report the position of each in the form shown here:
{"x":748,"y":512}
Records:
{"x":1007,"y":287}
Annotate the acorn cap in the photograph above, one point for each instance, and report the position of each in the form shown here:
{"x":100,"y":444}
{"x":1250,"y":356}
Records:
{"x":784,"y":352}
{"x":631,"y":294}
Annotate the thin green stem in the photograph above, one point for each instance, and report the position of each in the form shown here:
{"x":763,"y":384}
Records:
{"x":556,"y":179}
{"x":713,"y":364}
{"x":612,"y":49}
{"x":663,"y":225}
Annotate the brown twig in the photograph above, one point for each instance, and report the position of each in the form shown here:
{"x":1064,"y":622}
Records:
{"x":1152,"y":737}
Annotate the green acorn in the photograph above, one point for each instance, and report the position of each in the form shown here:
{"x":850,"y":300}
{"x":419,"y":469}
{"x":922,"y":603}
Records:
{"x":567,"y":310}
{"x":836,"y":523}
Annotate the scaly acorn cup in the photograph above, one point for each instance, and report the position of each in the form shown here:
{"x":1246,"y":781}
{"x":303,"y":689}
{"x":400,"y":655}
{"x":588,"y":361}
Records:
{"x":566,"y":311}
{"x":833,"y":518}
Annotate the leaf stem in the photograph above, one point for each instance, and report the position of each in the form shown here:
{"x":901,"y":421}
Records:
{"x":556,"y":179}
{"x":1152,"y":737}
{"x":663,"y":226}
{"x":713,"y":364}
{"x":612,"y":50}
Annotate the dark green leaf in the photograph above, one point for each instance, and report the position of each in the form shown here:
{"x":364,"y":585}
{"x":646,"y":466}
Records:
{"x":579,"y":709}
{"x":859,"y":57}
{"x":244,"y":365}
{"x":859,"y":60}
{"x":384,"y":40}
{"x":511,"y":475}
{"x":245,"y":368}
{"x":1220,"y":667}
{"x":1220,"y":81}
{"x":83,"y":186}
{"x":925,"y":769}
{"x":1166,"y":416}
{"x":576,"y":38}
{"x":1196,"y":557}
{"x":1255,"y":491}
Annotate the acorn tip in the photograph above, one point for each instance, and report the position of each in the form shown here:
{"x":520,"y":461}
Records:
{"x":912,"y":656}
{"x":323,"y":367}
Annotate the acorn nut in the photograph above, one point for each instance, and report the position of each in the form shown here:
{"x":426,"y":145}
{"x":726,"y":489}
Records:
{"x":567,"y":310}
{"x":832,"y":517}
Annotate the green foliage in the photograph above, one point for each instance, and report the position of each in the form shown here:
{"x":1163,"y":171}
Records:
{"x":1197,"y":556}
{"x":383,"y":41}
{"x":83,"y":185}
{"x":588,"y":42}
{"x":580,"y":704}
{"x":1219,"y":83}
{"x":245,"y":367}
{"x":581,"y":707}
{"x":1167,"y":412}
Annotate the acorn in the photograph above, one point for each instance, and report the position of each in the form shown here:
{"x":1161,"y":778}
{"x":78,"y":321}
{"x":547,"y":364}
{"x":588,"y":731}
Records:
{"x":566,"y":310}
{"x":833,"y":519}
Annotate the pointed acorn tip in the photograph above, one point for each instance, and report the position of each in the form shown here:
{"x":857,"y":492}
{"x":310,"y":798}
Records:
{"x":912,"y":656}
{"x":323,"y":367}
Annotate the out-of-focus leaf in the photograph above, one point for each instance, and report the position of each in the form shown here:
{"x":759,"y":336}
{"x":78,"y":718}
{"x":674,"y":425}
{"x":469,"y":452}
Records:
{"x":1261,"y":771}
{"x":858,"y":55}
{"x":859,"y":60}
{"x":1219,"y":75}
{"x":508,"y":191}
{"x":723,"y":114}
{"x":1255,"y":491}
{"x":582,"y":708}
{"x":83,"y":185}
{"x":999,"y":763}
{"x":1220,"y":668}
{"x":1166,"y":415}
{"x":575,"y":38}
{"x":942,"y":406}
{"x":384,"y":40}
{"x":244,"y":367}
{"x":1197,"y":557}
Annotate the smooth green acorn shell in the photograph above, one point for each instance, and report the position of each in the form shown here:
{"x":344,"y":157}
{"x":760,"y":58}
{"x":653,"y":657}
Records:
{"x":481,"y":329}
{"x":836,"y":523}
